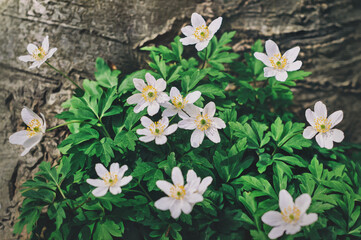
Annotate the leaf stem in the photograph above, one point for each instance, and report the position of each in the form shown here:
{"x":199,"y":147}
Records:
{"x":63,"y":74}
{"x":63,"y":124}
{"x":105,"y":130}
{"x":205,"y":58}
{"x":145,"y":193}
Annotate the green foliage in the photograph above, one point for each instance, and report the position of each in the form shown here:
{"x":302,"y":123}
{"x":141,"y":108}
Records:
{"x":261,"y":152}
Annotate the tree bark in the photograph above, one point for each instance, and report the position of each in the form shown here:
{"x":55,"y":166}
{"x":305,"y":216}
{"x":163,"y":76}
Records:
{"x":328,"y":32}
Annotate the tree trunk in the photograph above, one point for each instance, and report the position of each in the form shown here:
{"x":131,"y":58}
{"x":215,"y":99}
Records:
{"x":328,"y":32}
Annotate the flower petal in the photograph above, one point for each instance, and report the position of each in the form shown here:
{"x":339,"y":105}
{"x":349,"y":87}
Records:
{"x":320,"y":109}
{"x":139,"y":84}
{"x":303,"y":202}
{"x":144,"y":131}
{"x":293,"y":66}
{"x":204,"y":184}
{"x":188,"y":124}
{"x":96,"y":182}
{"x":160,"y":85}
{"x":160,"y":140}
{"x":308,"y":219}
{"x":197,"y":20}
{"x":191,"y":175}
{"x":336,"y":118}
{"x":213,"y":135}
{"x":269,"y":72}
{"x":115,"y":190}
{"x":31,"y":142}
{"x":27,"y":115}
{"x":273,"y":218}
{"x":153,"y":108}
{"x":292,"y":54}
{"x":281,"y":76}
{"x":125,"y":180}
{"x":164,"y":186}
{"x":35,"y":64}
{"x":196,"y":138}
{"x":202,"y":45}
{"x":310,"y":116}
{"x":263,"y":58}
{"x":292,"y":229}
{"x":189,"y":40}
{"x":169,"y":112}
{"x":162,"y":97}
{"x":186,"y":207}
{"x":45,"y":44}
{"x":177,"y":176}
{"x":26,"y":150}
{"x":150,"y":79}
{"x":19,"y":137}
{"x":174,"y":92}
{"x":276,"y":232}
{"x":51,"y":53}
{"x":175,"y":209}
{"x":194,"y":198}
{"x":101,"y":170}
{"x":192,"y":97}
{"x":209,"y":109}
{"x":271,"y":48}
{"x":309,"y":132}
{"x":100,"y":191}
{"x":114,"y":168}
{"x":218,"y":123}
{"x":164,"y":203}
{"x":140,"y":106}
{"x":26,"y":58}
{"x":320,"y":139}
{"x":328,"y":142}
{"x":187,"y":30}
{"x":285,"y":199}
{"x":147,"y":138}
{"x":31,"y":48}
{"x":121,"y":171}
{"x":146,"y":122}
{"x":164,"y":121}
{"x":215,"y":25}
{"x":171,"y":129}
{"x":192,"y":110}
{"x":337,"y":135}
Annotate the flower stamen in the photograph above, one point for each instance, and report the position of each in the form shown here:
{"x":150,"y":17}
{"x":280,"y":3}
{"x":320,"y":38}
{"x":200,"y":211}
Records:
{"x":149,"y":93}
{"x":278,"y":61}
{"x":322,"y":124}
{"x":203,"y":122}
{"x":39,"y":54}
{"x":156,"y":128}
{"x":201,"y":33}
{"x":291,"y":214}
{"x":177,"y":192}
{"x":179,"y":102}
{"x":33,"y":128}
{"x":110,"y":179}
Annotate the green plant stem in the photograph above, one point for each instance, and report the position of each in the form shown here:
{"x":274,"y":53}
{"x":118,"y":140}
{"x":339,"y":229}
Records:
{"x":63,"y":74}
{"x":87,"y":200}
{"x":168,"y":230}
{"x":172,"y":118}
{"x":105,"y":130}
{"x":205,"y":59}
{"x":63,"y":124}
{"x":145,"y":192}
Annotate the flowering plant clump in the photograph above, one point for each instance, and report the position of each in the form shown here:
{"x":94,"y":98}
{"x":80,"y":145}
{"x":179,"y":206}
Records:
{"x":121,"y":171}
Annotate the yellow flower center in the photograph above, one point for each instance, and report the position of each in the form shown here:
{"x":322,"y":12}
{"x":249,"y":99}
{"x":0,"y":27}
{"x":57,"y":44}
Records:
{"x":156,"y":128}
{"x":278,"y":61}
{"x":322,"y":124}
{"x":110,"y":179}
{"x":179,"y":102}
{"x":39,"y":54}
{"x":203,"y":122}
{"x":291,"y":214}
{"x":201,"y":33}
{"x":177,"y":192}
{"x":149,"y":93}
{"x":33,"y":127}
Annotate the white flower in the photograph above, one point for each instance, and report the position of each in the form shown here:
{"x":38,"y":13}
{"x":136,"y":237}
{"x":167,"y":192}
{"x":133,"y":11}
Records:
{"x":323,"y":126}
{"x":33,"y":134}
{"x":38,"y":55}
{"x":112,"y":180}
{"x":203,"y":123}
{"x":199,"y":33}
{"x":278,"y":65}
{"x":180,"y":198}
{"x":156,"y":130}
{"x":179,"y":103}
{"x":196,"y":184}
{"x":292,"y":217}
{"x":151,"y":95}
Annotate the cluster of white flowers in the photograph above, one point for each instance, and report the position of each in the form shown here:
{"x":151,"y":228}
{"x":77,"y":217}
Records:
{"x":193,"y":117}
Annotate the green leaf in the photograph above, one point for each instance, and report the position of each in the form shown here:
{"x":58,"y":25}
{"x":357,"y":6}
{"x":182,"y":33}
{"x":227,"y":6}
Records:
{"x":126,"y":140}
{"x":104,"y":75}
